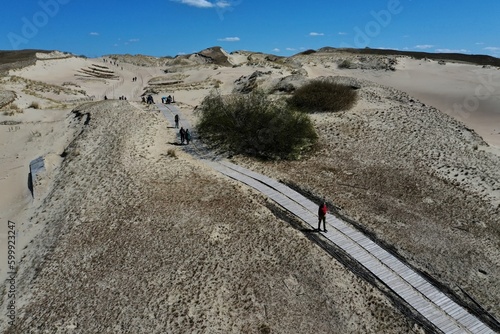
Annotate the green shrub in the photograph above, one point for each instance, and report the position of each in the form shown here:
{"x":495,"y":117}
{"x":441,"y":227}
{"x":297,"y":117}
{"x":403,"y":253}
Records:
{"x":252,"y":124}
{"x":323,"y":96}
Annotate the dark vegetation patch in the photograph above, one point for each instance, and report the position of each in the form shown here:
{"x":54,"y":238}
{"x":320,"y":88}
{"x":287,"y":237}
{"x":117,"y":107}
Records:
{"x":323,"y":96}
{"x":255,"y":125}
{"x":17,"y":59}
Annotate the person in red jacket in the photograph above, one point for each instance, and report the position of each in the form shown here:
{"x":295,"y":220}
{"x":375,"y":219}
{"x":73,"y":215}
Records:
{"x":322,"y":210}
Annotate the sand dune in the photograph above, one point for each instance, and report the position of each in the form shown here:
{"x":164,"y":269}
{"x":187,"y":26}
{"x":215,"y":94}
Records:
{"x":128,"y":233}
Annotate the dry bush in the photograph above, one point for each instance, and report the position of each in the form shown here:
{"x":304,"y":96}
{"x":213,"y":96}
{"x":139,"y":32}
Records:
{"x":323,"y":96}
{"x":34,"y":105}
{"x":345,"y":64}
{"x":171,"y":153}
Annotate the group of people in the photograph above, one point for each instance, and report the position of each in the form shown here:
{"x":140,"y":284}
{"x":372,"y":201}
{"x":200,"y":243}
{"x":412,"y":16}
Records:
{"x":111,"y":61}
{"x":148,"y":99}
{"x":185,"y":135}
{"x":134,"y":79}
{"x":167,"y":100}
{"x":119,"y":98}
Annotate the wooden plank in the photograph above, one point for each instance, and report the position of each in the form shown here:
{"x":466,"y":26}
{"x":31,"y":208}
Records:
{"x":451,"y":327}
{"x":485,"y":330}
{"x":467,"y":320}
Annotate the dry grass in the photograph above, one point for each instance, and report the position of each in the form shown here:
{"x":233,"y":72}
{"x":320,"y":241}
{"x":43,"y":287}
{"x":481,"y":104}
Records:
{"x":12,"y":109}
{"x":35,"y":87}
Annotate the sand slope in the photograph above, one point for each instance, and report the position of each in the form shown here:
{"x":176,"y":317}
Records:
{"x":134,"y":249}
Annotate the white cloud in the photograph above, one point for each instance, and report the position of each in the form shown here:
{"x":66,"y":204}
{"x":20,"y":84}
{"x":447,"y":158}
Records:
{"x":290,"y":49}
{"x":479,"y":43}
{"x":229,"y":39}
{"x":424,"y":46}
{"x":276,"y":50}
{"x":492,"y":48}
{"x":204,"y":3}
{"x":343,"y":33}
{"x":94,"y":34}
{"x":316,"y":34}
{"x":133,"y":40}
{"x":452,"y":51}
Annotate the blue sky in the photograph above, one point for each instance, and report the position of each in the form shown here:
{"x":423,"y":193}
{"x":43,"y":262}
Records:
{"x":172,"y":27}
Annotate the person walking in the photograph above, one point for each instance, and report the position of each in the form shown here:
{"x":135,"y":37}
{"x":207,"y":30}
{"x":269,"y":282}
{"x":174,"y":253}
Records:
{"x":182,"y":132}
{"x":322,"y":210}
{"x":188,"y":136}
{"x":176,"y":119}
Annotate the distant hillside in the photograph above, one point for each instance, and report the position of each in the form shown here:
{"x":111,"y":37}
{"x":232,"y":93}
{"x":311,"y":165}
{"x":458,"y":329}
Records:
{"x":7,"y":57}
{"x":457,"y":57}
{"x":20,"y":58}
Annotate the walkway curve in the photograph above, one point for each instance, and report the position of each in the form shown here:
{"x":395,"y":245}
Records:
{"x":441,"y":311}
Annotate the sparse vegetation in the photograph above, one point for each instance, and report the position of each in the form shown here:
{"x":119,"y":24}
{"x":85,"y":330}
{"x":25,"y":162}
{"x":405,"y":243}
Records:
{"x":12,"y":109}
{"x":171,"y":153}
{"x":34,"y":135}
{"x":345,"y":64}
{"x":35,"y":88}
{"x":217,"y":83}
{"x":34,"y":105}
{"x":255,"y":125}
{"x":323,"y":96}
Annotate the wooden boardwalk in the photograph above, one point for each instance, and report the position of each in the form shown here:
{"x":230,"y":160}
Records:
{"x":445,"y":314}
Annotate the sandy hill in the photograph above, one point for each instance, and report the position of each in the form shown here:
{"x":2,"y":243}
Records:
{"x":128,"y":233}
{"x":454,"y":57}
